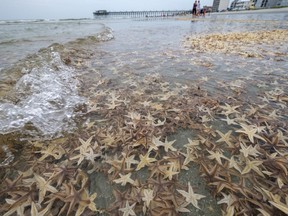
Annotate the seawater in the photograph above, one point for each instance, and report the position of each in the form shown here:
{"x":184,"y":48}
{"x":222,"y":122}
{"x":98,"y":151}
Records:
{"x":38,"y":89}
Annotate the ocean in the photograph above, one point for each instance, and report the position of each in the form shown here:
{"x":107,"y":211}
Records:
{"x":143,"y":45}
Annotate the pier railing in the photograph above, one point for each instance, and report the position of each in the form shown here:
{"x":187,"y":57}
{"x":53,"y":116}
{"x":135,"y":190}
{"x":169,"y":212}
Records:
{"x":162,"y":13}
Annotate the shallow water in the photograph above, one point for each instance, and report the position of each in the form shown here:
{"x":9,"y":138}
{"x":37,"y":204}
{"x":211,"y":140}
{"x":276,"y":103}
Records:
{"x":52,"y":90}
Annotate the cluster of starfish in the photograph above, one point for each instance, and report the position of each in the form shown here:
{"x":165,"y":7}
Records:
{"x":247,"y":44}
{"x":238,"y":145}
{"x":125,"y":137}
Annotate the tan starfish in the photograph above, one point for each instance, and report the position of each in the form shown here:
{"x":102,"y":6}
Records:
{"x":225,"y":138}
{"x":128,"y":210}
{"x":228,"y":109}
{"x":145,"y":161}
{"x":35,"y":212}
{"x":250,"y":150}
{"x":148,"y":196}
{"x":124,"y":179}
{"x":168,"y":145}
{"x":43,"y":186}
{"x":191,"y":197}
{"x":216,"y":156}
{"x":169,"y":173}
{"x":250,"y":132}
{"x":252,"y":165}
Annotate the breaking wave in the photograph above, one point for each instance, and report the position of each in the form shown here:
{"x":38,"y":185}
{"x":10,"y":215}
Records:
{"x":47,"y":98}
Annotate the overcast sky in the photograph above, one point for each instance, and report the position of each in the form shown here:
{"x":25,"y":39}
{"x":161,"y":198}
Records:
{"x":55,"y":9}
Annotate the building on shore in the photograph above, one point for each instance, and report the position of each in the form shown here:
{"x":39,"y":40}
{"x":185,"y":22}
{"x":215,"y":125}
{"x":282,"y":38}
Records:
{"x":220,"y":5}
{"x":241,"y":5}
{"x":270,"y":3}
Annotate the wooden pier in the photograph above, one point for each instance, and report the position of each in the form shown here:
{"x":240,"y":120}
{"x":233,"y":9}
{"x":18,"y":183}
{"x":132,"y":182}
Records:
{"x":162,"y":13}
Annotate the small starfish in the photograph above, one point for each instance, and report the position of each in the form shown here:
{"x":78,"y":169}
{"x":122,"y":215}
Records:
{"x":234,"y":164}
{"x":148,"y":196}
{"x":225,"y":138}
{"x":252,"y":165}
{"x":250,"y":150}
{"x":191,"y":197}
{"x":35,"y":212}
{"x":128,"y":210}
{"x":43,"y":186}
{"x":129,"y":160}
{"x":169,"y":173}
{"x":250,"y":132}
{"x":124,"y":179}
{"x":168,"y":145}
{"x":217,"y":156}
{"x":229,"y":110}
{"x":145,"y":161}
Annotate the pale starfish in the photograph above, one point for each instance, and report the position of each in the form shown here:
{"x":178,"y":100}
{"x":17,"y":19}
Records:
{"x":169,"y":173}
{"x":145,"y":161}
{"x":191,"y":197}
{"x":148,"y":196}
{"x":225,"y":138}
{"x":85,"y":144}
{"x":216,"y":156}
{"x":250,"y":131}
{"x":128,"y":210}
{"x":228,"y":109}
{"x":250,"y":150}
{"x":124,"y":179}
{"x":129,"y":160}
{"x":43,"y":186}
{"x":234,"y":164}
{"x":252,"y":165}
{"x":35,"y":212}
{"x":168,"y":145}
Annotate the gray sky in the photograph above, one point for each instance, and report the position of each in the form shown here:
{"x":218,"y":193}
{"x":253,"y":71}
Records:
{"x":55,"y":9}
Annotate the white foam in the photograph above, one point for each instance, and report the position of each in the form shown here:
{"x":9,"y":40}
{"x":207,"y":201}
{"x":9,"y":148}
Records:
{"x":47,"y":98}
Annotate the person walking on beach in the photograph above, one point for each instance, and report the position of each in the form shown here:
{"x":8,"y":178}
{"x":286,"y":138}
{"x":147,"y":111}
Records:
{"x":198,"y":8}
{"x":194,"y":10}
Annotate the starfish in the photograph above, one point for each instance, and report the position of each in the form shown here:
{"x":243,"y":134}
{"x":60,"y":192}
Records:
{"x":252,"y":165}
{"x":229,"y":200}
{"x":228,"y":109}
{"x":234,"y":164}
{"x":168,"y":173}
{"x":35,"y":212}
{"x":246,"y":151}
{"x":145,"y":161}
{"x":148,"y":196}
{"x":124,"y":179}
{"x":90,"y":156}
{"x":54,"y":150}
{"x":250,"y":132}
{"x":282,"y":138}
{"x":192,"y":144}
{"x":43,"y":186}
{"x":60,"y":173}
{"x":217,"y":156}
{"x":168,"y":145}
{"x":85,"y":144}
{"x":191,"y":197}
{"x":156,"y":143}
{"x":225,"y":138}
{"x":190,"y":156}
{"x":129,"y":160}
{"x":128,"y":210}
{"x":22,"y":202}
{"x":74,"y":197}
